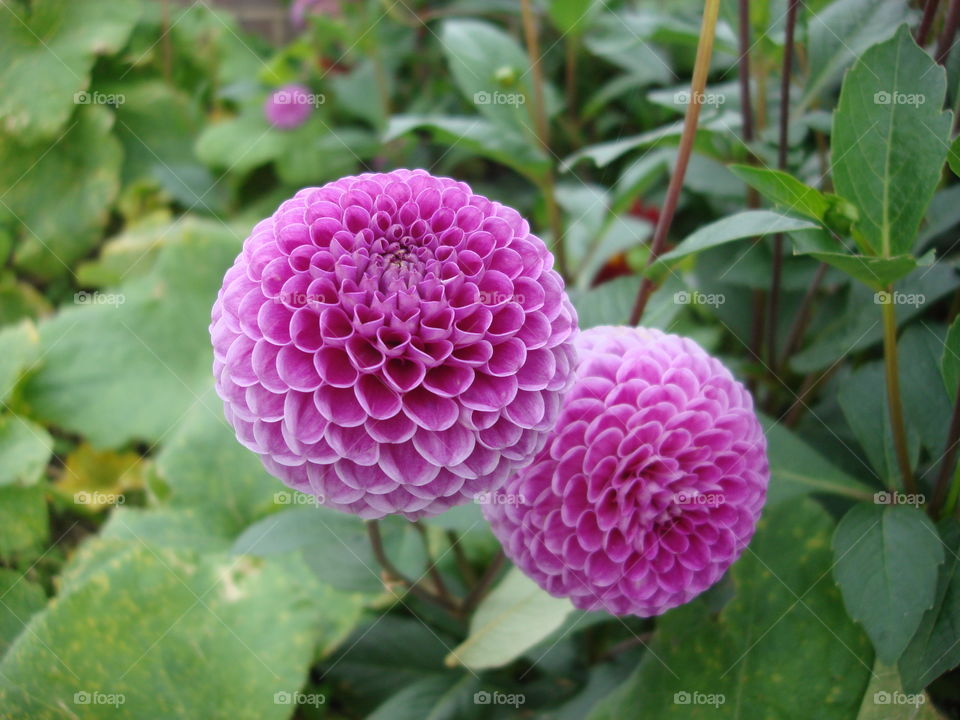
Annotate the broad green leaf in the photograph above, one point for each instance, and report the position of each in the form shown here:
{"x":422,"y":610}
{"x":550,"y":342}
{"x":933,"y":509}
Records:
{"x":852,"y":330}
{"x":241,"y":143}
{"x":572,"y":17}
{"x":797,"y":469}
{"x":935,"y":648}
{"x":493,"y":74}
{"x":884,"y":699}
{"x":515,"y":616}
{"x":874,"y":272}
{"x":205,"y":467}
{"x":890,"y":100}
{"x":446,"y":697}
{"x":98,"y":479}
{"x":21,"y":599}
{"x":188,"y":528}
{"x":746,"y":224}
{"x":334,"y":544}
{"x":47,"y":49}
{"x":953,"y":157}
{"x":163,"y":614}
{"x":886,"y":566}
{"x":315,"y":154}
{"x":784,"y":190}
{"x":376,"y":662}
{"x":841,"y":32}
{"x":24,"y":522}
{"x":477,"y":135}
{"x":746,"y":652}
{"x":950,"y":360}
{"x":25,"y":448}
{"x":20,"y":343}
{"x":925,"y":404}
{"x":80,"y":168}
{"x":126,"y":364}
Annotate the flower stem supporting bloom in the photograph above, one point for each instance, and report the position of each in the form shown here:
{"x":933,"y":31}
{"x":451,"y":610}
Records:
{"x":392,"y":573}
{"x":479,"y":591}
{"x":893,"y":394}
{"x":700,"y":69}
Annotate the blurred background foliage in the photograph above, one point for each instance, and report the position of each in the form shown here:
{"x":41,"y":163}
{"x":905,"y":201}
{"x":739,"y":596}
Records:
{"x":144,"y":552}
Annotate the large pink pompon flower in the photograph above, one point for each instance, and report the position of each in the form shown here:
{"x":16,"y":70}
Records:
{"x":393,"y":343}
{"x":651,"y":485}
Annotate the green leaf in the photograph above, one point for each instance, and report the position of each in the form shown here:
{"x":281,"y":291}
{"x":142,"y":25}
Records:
{"x":21,"y":599}
{"x":241,"y":143}
{"x":797,"y":469}
{"x":886,"y":567}
{"x":953,"y":157}
{"x":950,"y":360}
{"x":20,"y":343}
{"x":925,"y":404}
{"x":163,"y":614}
{"x":126,"y":364}
{"x":25,"y":448}
{"x":841,"y":32}
{"x":81,"y":170}
{"x":762,"y":640}
{"x":334,"y":544}
{"x":446,"y":697}
{"x":24,"y":522}
{"x":492,"y":72}
{"x":890,"y":100}
{"x":515,"y":616}
{"x":884,"y":699}
{"x":874,"y":272}
{"x":477,"y":135}
{"x":47,"y":49}
{"x":746,"y":224}
{"x":784,"y":190}
{"x":206,"y":468}
{"x":935,"y":648}
{"x":572,"y":17}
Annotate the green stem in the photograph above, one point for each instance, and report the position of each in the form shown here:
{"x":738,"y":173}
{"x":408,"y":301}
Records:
{"x":478,"y":591}
{"x":893,"y":392}
{"x":392,"y":573}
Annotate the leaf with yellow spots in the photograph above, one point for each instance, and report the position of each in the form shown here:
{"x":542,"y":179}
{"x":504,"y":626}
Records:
{"x":97,"y":479}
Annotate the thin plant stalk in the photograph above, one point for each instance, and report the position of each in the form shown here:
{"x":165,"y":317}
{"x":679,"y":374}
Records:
{"x":701,"y":68}
{"x":926,"y":22}
{"x":773,"y":301}
{"x":803,"y":315}
{"x":893,"y":393}
{"x":393,"y":573}
{"x":479,"y":591}
{"x":945,"y":41}
{"x":542,"y":129}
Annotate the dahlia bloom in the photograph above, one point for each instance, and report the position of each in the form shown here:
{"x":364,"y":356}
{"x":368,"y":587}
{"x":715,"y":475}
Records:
{"x":393,"y":343}
{"x":288,"y":107}
{"x":650,"y":486}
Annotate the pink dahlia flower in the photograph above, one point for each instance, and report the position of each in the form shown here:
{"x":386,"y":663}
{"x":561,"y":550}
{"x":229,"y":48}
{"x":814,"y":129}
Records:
{"x":393,"y":343}
{"x":289,"y":107}
{"x":650,"y":486}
